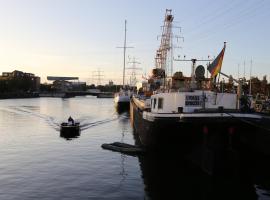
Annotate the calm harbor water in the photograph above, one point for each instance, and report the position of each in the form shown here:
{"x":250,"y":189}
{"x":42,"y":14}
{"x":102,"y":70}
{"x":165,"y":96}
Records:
{"x":37,"y":163}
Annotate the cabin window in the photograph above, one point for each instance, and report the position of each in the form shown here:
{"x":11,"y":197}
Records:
{"x":155,"y":102}
{"x":152,"y":103}
{"x":160,"y":103}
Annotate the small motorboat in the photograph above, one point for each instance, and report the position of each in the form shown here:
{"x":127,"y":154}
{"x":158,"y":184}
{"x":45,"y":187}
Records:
{"x":70,"y":127}
{"x":68,"y":130}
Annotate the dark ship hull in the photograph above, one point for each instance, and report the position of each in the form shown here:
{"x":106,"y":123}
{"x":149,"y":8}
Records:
{"x":208,"y":142}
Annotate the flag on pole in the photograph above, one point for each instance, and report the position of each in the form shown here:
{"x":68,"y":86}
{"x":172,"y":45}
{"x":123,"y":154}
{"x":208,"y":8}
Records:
{"x":215,"y":67}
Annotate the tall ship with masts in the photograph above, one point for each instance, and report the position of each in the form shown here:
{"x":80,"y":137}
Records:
{"x":190,"y":113}
{"x":122,"y":98}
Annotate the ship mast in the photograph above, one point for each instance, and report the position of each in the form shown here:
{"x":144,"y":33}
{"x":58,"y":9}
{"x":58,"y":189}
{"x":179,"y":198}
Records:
{"x":125,"y":48}
{"x":250,"y":76}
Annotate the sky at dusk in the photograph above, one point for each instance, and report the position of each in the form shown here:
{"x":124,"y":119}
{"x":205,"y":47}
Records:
{"x":77,"y":37}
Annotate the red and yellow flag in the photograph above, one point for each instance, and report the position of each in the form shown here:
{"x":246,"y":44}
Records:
{"x":215,"y":67}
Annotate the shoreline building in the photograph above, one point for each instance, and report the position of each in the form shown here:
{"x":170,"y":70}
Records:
{"x":64,"y":84}
{"x":18,"y":81}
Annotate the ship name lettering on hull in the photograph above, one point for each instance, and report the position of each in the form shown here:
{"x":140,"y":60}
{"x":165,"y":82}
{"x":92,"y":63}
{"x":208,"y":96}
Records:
{"x":193,"y":100}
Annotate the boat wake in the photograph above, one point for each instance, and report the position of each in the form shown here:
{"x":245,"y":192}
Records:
{"x":86,"y":122}
{"x":32,"y":111}
{"x":88,"y":125}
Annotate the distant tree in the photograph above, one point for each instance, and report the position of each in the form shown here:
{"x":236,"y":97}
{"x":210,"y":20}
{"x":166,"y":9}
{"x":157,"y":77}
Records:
{"x":92,"y":86}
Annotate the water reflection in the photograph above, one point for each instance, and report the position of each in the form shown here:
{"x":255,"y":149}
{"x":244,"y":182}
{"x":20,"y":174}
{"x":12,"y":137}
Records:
{"x":124,"y":127}
{"x":169,"y":177}
{"x":261,"y":172}
{"x":123,"y":108}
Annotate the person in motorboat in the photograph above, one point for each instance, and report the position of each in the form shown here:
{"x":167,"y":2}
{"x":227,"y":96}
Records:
{"x":70,"y":121}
